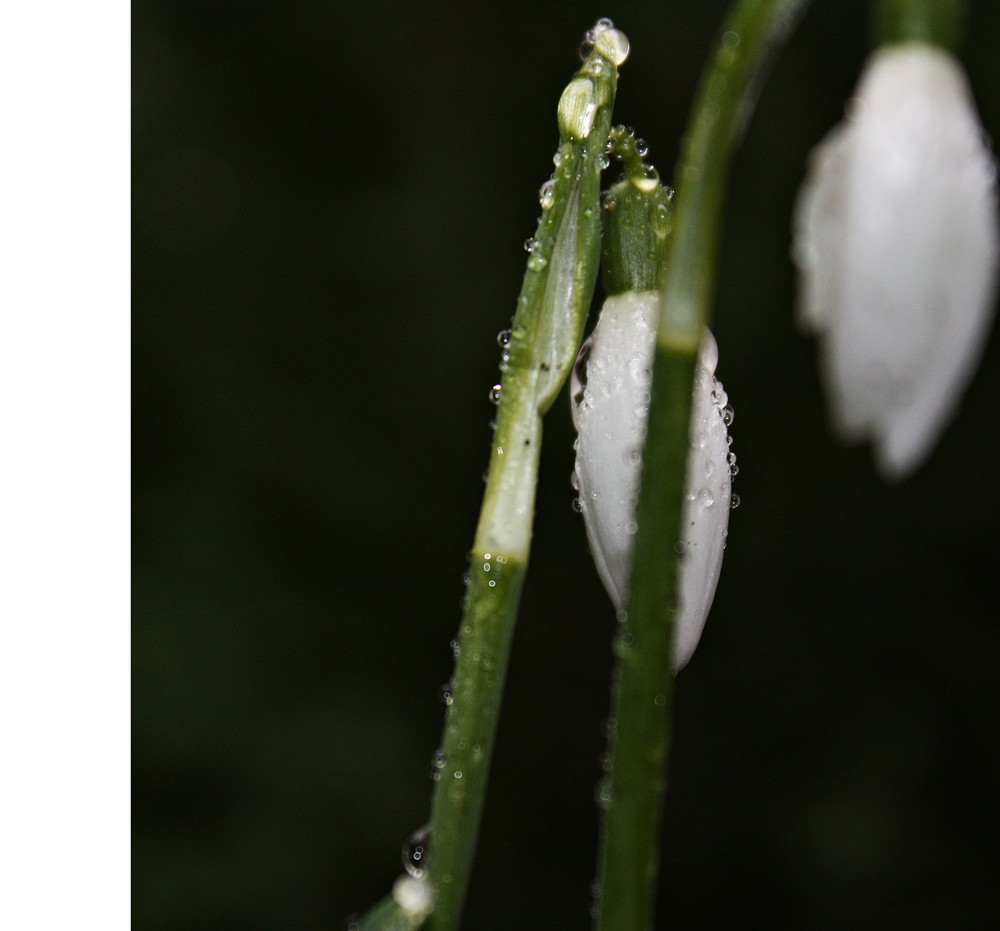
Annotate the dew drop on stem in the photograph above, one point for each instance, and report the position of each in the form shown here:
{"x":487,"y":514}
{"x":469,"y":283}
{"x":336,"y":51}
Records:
{"x":438,"y":763}
{"x":415,"y":852}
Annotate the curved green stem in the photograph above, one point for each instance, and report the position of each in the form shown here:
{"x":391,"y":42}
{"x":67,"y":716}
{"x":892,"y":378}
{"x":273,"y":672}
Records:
{"x":639,"y":739}
{"x":538,"y":353}
{"x":546,"y":333}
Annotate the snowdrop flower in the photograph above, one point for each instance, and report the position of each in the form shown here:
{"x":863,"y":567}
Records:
{"x":610,"y":393}
{"x":896,"y":241}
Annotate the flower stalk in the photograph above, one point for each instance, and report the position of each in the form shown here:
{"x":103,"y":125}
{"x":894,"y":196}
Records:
{"x":642,"y":692}
{"x":537,"y":355}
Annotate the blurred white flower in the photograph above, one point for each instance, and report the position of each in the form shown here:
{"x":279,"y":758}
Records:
{"x":610,"y":395}
{"x":896,"y":240}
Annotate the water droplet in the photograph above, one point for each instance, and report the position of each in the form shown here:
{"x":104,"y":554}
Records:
{"x":530,"y":243}
{"x":647,"y":179}
{"x":641,"y":148}
{"x":680,"y":546}
{"x":631,"y":528}
{"x":458,"y":774}
{"x":494,"y":394}
{"x":445,"y":694}
{"x":595,"y":900}
{"x":547,"y":194}
{"x":734,"y":502}
{"x":503,"y":338}
{"x":728,"y":415}
{"x":577,"y":505}
{"x":662,"y":220}
{"x":537,"y":262}
{"x":438,"y":762}
{"x":622,"y":644}
{"x":613,"y":44}
{"x":456,"y":648}
{"x":660,"y":700}
{"x":707,"y":498}
{"x":415,"y":852}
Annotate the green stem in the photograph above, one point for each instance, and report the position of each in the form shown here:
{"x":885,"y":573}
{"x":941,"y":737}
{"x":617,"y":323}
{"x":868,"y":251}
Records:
{"x":937,"y":22}
{"x":639,"y":740}
{"x":547,"y":328}
{"x":538,"y":354}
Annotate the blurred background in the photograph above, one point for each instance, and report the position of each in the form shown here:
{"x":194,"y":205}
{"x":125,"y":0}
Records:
{"x":329,"y":206}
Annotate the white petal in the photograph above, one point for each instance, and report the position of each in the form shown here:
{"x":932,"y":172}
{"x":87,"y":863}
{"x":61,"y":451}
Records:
{"x":610,"y":394}
{"x":896,"y":238}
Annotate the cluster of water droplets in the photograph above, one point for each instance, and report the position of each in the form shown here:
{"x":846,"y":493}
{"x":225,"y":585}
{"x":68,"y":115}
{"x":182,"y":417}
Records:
{"x":603,"y":49}
{"x":415,"y":852}
{"x":439,"y":761}
{"x":710,"y":488}
{"x":411,"y":891}
{"x":609,"y":42}
{"x":630,"y":150}
{"x":597,"y":380}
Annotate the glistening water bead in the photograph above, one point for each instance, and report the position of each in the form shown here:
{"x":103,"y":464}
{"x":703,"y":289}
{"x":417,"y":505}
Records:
{"x":547,"y":194}
{"x":415,"y":852}
{"x":438,"y":763}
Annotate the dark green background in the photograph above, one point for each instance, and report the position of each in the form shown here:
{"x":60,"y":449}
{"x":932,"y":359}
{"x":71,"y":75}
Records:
{"x":329,"y":206}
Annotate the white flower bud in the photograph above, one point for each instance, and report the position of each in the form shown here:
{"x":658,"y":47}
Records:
{"x":896,"y":240}
{"x":611,"y":384}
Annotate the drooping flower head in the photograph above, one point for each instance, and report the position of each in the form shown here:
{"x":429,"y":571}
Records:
{"x":610,"y":410}
{"x":896,"y":241}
